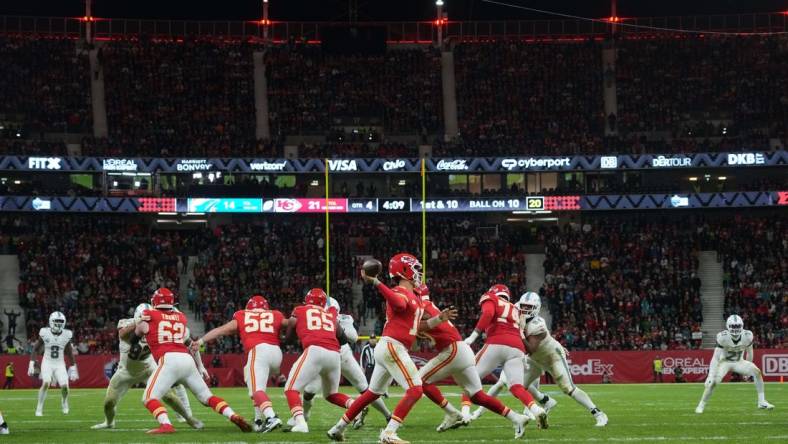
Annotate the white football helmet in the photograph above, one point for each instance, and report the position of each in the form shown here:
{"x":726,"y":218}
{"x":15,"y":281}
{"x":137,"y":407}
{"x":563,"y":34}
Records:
{"x":141,"y":309}
{"x":735,"y":325}
{"x":332,"y":303}
{"x":57,"y":321}
{"x":529,"y":304}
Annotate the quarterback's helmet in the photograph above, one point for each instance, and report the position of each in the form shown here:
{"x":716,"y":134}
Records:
{"x":422,"y":291}
{"x":140,"y":310}
{"x":332,"y":305}
{"x":405,"y":266}
{"x":163,"y":298}
{"x":529,"y":304}
{"x":57,"y":321}
{"x":257,"y":302}
{"x":735,"y":325}
{"x":500,"y":290}
{"x":316,"y":296}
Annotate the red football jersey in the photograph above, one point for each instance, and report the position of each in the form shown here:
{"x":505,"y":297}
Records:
{"x":504,"y":328}
{"x":445,"y":333}
{"x":316,"y":326}
{"x":166,"y":332}
{"x":403,"y":325}
{"x":258,"y":327}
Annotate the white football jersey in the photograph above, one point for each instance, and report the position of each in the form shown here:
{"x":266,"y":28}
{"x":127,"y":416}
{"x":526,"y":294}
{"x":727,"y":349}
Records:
{"x":538,"y":326}
{"x":54,"y":345}
{"x":137,"y":352}
{"x":734,"y":350}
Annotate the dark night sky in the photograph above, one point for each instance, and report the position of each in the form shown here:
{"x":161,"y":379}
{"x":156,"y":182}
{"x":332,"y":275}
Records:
{"x":382,"y":10}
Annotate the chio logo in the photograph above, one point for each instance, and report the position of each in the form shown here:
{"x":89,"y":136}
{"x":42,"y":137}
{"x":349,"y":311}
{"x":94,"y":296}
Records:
{"x":393,"y":165}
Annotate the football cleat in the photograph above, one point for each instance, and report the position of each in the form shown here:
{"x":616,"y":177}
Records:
{"x":258,"y":425}
{"x":64,"y":406}
{"x":390,"y":437}
{"x":452,"y":421}
{"x":699,"y":408}
{"x":162,"y":430}
{"x":239,"y":421}
{"x":540,"y":414}
{"x":104,"y":425}
{"x":39,"y":412}
{"x":336,"y":434}
{"x":359,"y":421}
{"x":519,"y":423}
{"x":765,"y":405}
{"x":180,"y":418}
{"x":300,"y":427}
{"x":4,"y":430}
{"x":601,"y":419}
{"x":477,"y":414}
{"x":195,"y":423}
{"x":271,"y":424}
{"x":550,"y":404}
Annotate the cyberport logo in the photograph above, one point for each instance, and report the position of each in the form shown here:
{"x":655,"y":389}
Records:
{"x":590,"y":367}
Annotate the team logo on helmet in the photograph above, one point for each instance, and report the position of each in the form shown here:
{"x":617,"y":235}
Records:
{"x":405,"y":266}
{"x":257,"y":302}
{"x":500,"y":290}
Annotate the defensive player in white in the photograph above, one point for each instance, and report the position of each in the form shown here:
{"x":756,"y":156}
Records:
{"x":545,"y":354}
{"x":135,"y":366}
{"x":349,"y":367}
{"x":733,"y":354}
{"x":55,"y":342}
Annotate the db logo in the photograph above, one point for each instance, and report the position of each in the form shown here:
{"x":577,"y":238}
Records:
{"x":774,"y":365}
{"x":287,"y":206}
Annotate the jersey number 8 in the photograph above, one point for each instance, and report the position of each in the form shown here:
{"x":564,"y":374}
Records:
{"x":171,"y":332}
{"x":258,"y":322}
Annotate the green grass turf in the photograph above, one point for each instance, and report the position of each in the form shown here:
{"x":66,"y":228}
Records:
{"x":661,"y":413}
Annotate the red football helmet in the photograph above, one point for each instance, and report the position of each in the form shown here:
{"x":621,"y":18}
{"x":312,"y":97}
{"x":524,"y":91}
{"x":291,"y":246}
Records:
{"x":257,"y":302}
{"x":422,"y":291}
{"x":162,"y":298}
{"x":405,"y":266}
{"x":316,"y":296}
{"x":500,"y":290}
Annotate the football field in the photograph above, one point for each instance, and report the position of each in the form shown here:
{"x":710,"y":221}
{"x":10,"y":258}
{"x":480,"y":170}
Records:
{"x":661,"y":413}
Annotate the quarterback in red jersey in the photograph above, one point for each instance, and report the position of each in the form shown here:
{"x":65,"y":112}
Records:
{"x":500,"y":321}
{"x":316,"y":328}
{"x":455,"y":359}
{"x":259,"y":328}
{"x":403,"y":321}
{"x":167,"y":335}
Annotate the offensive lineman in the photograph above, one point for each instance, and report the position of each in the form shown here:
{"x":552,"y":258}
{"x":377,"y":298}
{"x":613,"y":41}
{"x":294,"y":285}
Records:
{"x":500,"y":319}
{"x":404,"y":314}
{"x":349,"y":367}
{"x":135,"y":366}
{"x":259,"y":328}
{"x":54,"y":341}
{"x":733,"y":354}
{"x":165,"y":331}
{"x":455,"y":358}
{"x":317,"y":331}
{"x":545,"y":354}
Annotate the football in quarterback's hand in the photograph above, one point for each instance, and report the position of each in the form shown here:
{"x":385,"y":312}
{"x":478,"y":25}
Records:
{"x":372,"y":267}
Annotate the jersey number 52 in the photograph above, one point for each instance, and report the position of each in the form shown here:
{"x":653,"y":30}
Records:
{"x":258,"y":322}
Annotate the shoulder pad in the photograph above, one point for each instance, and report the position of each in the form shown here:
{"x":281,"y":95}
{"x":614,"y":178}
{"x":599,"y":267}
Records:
{"x":747,"y":334}
{"x":721,"y":335}
{"x":43,"y":330}
{"x":124,"y":323}
{"x":146,"y":315}
{"x":486,"y":297}
{"x":68,"y":333}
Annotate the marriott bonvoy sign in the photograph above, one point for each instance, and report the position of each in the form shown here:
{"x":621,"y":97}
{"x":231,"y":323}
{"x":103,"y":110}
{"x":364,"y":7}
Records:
{"x":451,"y":165}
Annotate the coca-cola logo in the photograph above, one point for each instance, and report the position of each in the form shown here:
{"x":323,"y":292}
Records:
{"x":452,"y":165}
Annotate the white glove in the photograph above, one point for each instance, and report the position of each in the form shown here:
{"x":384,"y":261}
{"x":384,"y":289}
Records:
{"x":472,"y":338}
{"x":73,"y":374}
{"x":31,"y":368}
{"x":204,"y":374}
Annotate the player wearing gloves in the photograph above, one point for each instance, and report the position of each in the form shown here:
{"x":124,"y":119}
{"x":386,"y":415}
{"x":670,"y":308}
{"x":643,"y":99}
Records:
{"x":504,"y":347}
{"x":135,"y":366}
{"x":166,"y":333}
{"x":733,"y":353}
{"x":259,"y":328}
{"x":349,"y":367}
{"x":55,"y":342}
{"x":455,"y":359}
{"x":545,"y":354}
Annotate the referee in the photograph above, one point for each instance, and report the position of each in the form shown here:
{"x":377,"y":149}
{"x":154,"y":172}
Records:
{"x":367,"y":357}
